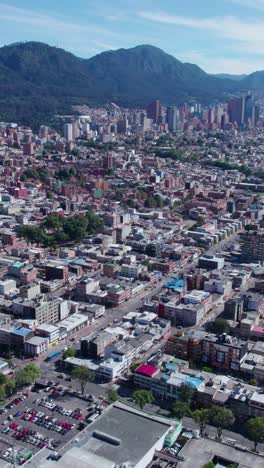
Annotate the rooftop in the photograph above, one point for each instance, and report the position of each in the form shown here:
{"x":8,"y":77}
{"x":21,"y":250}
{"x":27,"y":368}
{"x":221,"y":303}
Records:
{"x":146,"y":369}
{"x":123,"y":434}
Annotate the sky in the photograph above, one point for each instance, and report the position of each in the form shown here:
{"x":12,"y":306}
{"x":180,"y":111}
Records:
{"x":221,"y":36}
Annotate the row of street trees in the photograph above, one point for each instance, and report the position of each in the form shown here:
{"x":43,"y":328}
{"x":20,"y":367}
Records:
{"x":218,"y":416}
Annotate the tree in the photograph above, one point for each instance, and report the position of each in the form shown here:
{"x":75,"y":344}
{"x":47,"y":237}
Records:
{"x":27,"y":375}
{"x":249,"y":227}
{"x":3,"y":379}
{"x":210,"y":464}
{"x":70,"y":352}
{"x":75,"y":227}
{"x":219,"y":326}
{"x":201,"y":417}
{"x":83,"y":375}
{"x":135,"y":365}
{"x":2,"y":393}
{"x":112,"y":393}
{"x":207,"y":369}
{"x":53,"y":222}
{"x":9,"y":387}
{"x":186,"y":393}
{"x":221,"y":418}
{"x":255,"y":430}
{"x":180,"y":409}
{"x":142,"y":397}
{"x":252,"y":382}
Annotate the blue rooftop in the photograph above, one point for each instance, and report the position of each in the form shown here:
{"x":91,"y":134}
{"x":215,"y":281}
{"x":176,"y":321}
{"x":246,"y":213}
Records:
{"x":170,"y":366}
{"x":165,"y":376}
{"x":21,"y":331}
{"x":175,"y":284}
{"x":194,"y":382}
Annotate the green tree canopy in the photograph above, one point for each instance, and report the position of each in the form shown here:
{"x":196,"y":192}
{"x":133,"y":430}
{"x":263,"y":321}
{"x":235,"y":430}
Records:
{"x":27,"y":375}
{"x":142,"y":397}
{"x":3,"y":379}
{"x":201,"y":417}
{"x":180,"y":409}
{"x":221,"y":418}
{"x":83,"y":375}
{"x":112,"y":393}
{"x":70,"y":352}
{"x":219,"y":326}
{"x":255,"y":430}
{"x":186,"y":393}
{"x":9,"y":387}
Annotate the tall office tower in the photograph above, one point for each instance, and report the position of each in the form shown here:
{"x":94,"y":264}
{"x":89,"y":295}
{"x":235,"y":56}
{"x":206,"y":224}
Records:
{"x":76,"y":130}
{"x":197,"y":108}
{"x":108,"y":161}
{"x":44,"y":131}
{"x":173,"y":118}
{"x":255,"y":115}
{"x":68,"y":132}
{"x":154,"y":111}
{"x":248,"y":121}
{"x":219,"y":112}
{"x":122,"y":125}
{"x":236,"y":110}
{"x":211,"y":116}
{"x":253,"y":246}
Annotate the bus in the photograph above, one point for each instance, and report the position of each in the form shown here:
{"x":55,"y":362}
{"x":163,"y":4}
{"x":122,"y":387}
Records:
{"x":53,"y":355}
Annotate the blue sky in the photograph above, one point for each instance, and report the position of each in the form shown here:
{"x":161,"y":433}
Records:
{"x":218,"y":35}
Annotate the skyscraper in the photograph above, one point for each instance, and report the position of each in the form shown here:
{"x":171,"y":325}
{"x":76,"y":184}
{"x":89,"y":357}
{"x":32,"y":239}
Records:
{"x":173,"y":118}
{"x":68,"y":132}
{"x":154,"y":111}
{"x":108,"y":161}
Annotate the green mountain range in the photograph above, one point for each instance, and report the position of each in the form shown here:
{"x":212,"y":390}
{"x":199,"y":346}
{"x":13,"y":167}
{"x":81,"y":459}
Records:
{"x":38,"y":81}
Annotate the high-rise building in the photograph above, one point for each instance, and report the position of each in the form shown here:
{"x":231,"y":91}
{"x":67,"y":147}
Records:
{"x":154,"y":111}
{"x":243,"y":112}
{"x":44,"y":131}
{"x":108,"y":161}
{"x":68,"y":132}
{"x":211,"y":116}
{"x":253,"y":246}
{"x":173,"y":118}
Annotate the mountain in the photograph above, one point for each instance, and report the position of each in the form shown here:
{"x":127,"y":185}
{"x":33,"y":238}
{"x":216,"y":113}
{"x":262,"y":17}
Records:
{"x":38,"y":81}
{"x":230,"y":77}
{"x":255,"y":81}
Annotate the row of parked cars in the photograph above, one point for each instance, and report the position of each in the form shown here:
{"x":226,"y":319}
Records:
{"x":49,"y":403}
{"x":17,"y":400}
{"x":26,"y":435}
{"x":54,"y":424}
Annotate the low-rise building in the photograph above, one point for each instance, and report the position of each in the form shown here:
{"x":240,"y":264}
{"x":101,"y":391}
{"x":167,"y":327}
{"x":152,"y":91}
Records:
{"x":36,"y":346}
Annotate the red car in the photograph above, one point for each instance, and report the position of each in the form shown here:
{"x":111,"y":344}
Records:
{"x":13,"y":426}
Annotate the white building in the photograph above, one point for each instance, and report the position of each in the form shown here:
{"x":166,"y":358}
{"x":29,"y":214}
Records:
{"x":52,"y":332}
{"x":73,"y":323}
{"x":36,"y":346}
{"x":6,"y":286}
{"x":68,"y":132}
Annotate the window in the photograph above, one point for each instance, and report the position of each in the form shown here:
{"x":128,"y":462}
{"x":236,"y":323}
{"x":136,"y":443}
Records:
{"x":220,"y":357}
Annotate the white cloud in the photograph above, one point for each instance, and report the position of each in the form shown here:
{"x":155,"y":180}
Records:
{"x":44,"y":21}
{"x":220,"y":64}
{"x":254,"y":4}
{"x":228,"y":27}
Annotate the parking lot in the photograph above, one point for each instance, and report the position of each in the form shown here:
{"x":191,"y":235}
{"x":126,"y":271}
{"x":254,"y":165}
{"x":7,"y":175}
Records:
{"x":41,"y":419}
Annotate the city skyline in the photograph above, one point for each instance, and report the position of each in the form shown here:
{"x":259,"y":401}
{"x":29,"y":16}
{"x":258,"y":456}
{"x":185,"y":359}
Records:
{"x":225,"y":37}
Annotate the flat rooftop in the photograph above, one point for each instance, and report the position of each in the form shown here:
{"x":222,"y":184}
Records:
{"x":136,"y":431}
{"x":198,"y":452}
